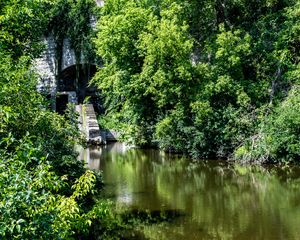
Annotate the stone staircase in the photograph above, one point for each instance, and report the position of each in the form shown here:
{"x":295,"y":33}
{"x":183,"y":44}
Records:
{"x":88,"y":124}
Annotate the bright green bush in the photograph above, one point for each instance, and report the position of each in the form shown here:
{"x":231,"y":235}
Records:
{"x":31,"y":203}
{"x":278,"y":139}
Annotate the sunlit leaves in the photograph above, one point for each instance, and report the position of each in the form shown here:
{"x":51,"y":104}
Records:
{"x":146,"y":48}
{"x":22,"y":24}
{"x":30,"y":203}
{"x":167,"y":48}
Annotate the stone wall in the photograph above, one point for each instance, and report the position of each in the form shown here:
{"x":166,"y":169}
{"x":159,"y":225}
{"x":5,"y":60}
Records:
{"x":46,"y":68}
{"x":46,"y":65}
{"x":100,"y":3}
{"x":68,"y":55}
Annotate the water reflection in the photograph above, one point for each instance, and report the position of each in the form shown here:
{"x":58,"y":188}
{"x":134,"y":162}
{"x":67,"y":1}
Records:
{"x":220,"y":201}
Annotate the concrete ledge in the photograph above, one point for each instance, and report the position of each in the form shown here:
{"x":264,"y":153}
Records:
{"x":89,"y":126}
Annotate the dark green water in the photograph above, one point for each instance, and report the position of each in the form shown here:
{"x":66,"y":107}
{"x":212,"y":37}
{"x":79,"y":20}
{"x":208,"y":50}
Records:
{"x":216,"y":200}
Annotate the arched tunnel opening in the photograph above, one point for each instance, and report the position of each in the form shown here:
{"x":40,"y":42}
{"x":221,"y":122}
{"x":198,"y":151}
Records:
{"x":74,"y":86}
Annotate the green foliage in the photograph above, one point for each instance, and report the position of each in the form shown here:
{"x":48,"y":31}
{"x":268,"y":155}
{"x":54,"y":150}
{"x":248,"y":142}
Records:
{"x":166,"y":66}
{"x":278,"y":136}
{"x":72,"y":20}
{"x":146,"y":63}
{"x":42,"y":184}
{"x":22,"y":24}
{"x":30,"y":201}
{"x":23,"y":112}
{"x":197,"y":77}
{"x":44,"y":190}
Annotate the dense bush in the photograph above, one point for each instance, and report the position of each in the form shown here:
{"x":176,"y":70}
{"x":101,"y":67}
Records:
{"x":278,"y":136}
{"x":31,"y":204}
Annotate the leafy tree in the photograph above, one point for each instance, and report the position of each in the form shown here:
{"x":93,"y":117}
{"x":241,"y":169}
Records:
{"x":142,"y":63}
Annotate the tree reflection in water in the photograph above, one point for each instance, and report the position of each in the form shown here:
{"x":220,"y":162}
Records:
{"x":220,"y":200}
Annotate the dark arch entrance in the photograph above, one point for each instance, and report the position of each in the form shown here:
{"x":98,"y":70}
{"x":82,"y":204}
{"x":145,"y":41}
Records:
{"x":76,"y":78}
{"x":74,"y":82}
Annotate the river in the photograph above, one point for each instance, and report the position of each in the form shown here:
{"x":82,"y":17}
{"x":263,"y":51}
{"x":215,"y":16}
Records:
{"x":207,"y":199}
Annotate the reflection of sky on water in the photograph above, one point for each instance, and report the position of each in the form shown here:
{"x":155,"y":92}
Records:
{"x":125,"y":199}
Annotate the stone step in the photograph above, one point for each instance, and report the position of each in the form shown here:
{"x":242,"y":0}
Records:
{"x":89,"y":125}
